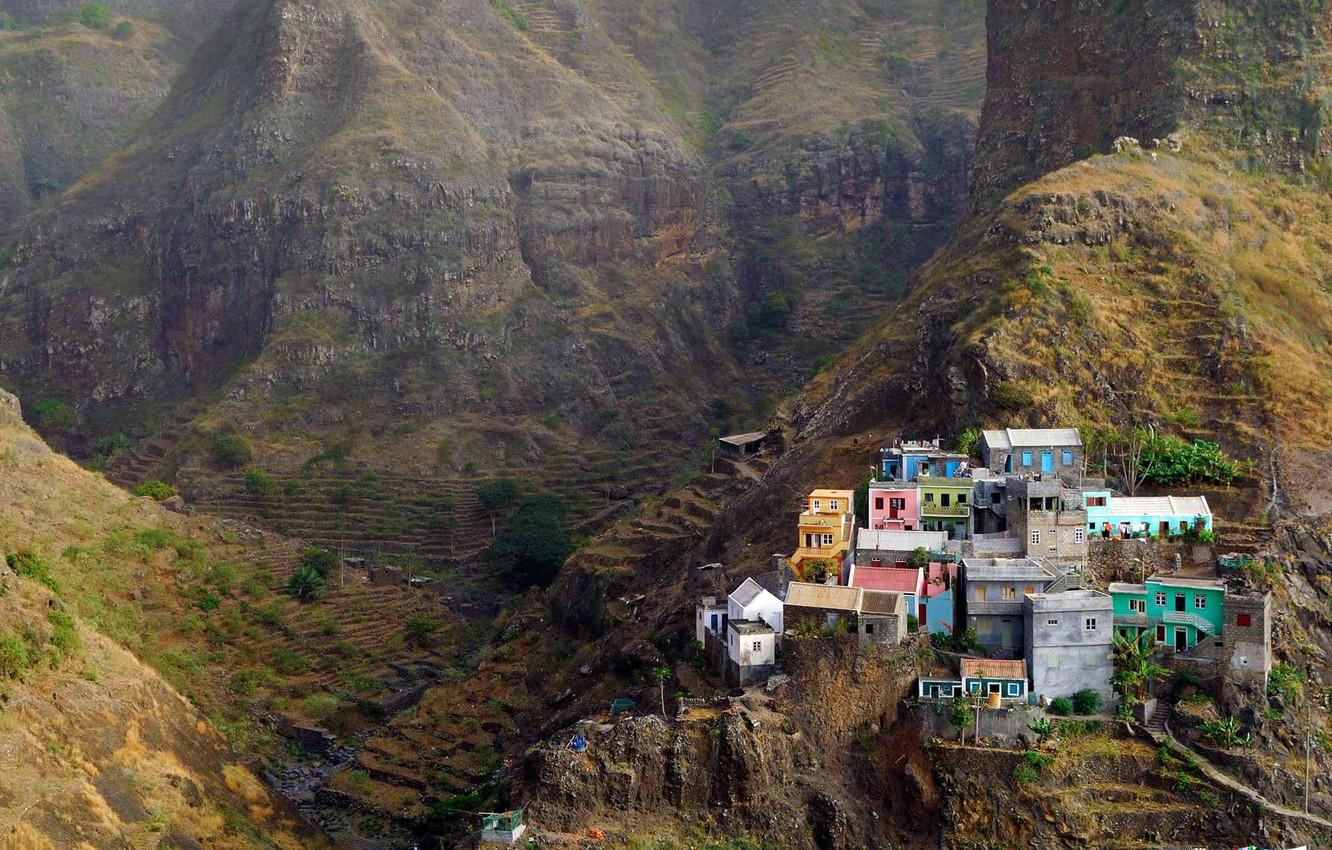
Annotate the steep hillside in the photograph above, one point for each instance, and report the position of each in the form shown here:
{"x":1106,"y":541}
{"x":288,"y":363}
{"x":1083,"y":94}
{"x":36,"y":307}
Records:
{"x":541,"y":236}
{"x":1179,"y":284}
{"x":99,"y":750}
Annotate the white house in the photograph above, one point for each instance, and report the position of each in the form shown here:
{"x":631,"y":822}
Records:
{"x":751,"y":648}
{"x":751,"y":601}
{"x":709,"y":616}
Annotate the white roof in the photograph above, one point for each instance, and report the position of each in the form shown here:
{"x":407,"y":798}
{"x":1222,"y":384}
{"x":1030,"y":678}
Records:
{"x":899,"y":541}
{"x":1011,"y":438}
{"x":1159,"y":506}
{"x":747,"y":592}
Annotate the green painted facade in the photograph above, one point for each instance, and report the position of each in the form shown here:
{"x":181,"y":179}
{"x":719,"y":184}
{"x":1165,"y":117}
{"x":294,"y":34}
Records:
{"x":1178,"y":615}
{"x":945,"y":505}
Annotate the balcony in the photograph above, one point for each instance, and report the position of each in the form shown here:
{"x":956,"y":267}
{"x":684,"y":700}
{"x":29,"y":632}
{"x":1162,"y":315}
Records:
{"x":929,"y":509}
{"x":821,"y":520}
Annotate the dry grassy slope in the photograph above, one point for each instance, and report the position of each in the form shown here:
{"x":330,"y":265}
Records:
{"x":99,"y":750}
{"x":69,"y":97}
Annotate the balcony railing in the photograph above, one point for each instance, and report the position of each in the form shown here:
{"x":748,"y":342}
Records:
{"x":1188,"y":618}
{"x":931,"y":509}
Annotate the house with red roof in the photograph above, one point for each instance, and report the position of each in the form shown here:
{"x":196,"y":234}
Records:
{"x":906,"y":581}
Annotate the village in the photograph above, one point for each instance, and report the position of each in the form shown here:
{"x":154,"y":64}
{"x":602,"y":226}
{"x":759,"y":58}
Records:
{"x":989,"y":557}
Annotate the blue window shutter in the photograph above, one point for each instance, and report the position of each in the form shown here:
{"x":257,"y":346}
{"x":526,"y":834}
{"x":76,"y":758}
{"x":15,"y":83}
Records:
{"x":1068,"y":458}
{"x":1026,"y":458}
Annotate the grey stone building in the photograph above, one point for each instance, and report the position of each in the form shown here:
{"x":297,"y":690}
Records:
{"x":1048,"y":517}
{"x":1248,"y":636}
{"x":1068,"y":642}
{"x":1032,"y":450}
{"x":990,"y":599}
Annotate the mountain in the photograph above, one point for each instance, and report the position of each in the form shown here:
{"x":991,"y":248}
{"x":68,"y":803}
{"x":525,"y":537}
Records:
{"x":443,"y":240}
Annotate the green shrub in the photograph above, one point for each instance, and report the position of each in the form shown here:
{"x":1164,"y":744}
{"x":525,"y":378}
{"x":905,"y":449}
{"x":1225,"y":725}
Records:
{"x":270,"y":616}
{"x":54,"y":415}
{"x":122,"y":31}
{"x":29,"y":565}
{"x":419,"y":629}
{"x":1168,"y":460}
{"x":64,"y":636}
{"x":1025,"y":774}
{"x":321,"y":705}
{"x":913,"y":622}
{"x":1086,"y":701}
{"x":320,"y":560}
{"x":1226,"y":733}
{"x":112,"y":445}
{"x":259,"y":483}
{"x":1061,"y":706}
{"x":94,"y":16}
{"x":1012,"y":396}
{"x":231,"y":450}
{"x":960,"y":713}
{"x":14,"y":657}
{"x":1285,"y":681}
{"x":289,"y":663}
{"x":158,"y":491}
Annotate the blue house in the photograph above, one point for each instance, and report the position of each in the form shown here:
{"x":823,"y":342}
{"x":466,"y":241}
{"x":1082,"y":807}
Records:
{"x":985,"y":676}
{"x":910,"y":459}
{"x":942,"y":578}
{"x":1111,"y":516}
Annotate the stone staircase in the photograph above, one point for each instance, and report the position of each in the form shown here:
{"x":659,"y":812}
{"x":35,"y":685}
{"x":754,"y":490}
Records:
{"x":1157,"y":723}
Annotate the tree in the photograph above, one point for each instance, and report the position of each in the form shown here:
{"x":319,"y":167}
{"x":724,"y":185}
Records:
{"x":306,"y":585}
{"x":661,"y":673}
{"x":495,"y":496}
{"x":961,"y":714}
{"x":322,"y":561}
{"x":1129,"y":448}
{"x":231,"y":450}
{"x":919,"y":559}
{"x":968,"y":442}
{"x":861,"y":502}
{"x":1135,"y":671}
{"x":259,"y":483}
{"x":533,"y":544}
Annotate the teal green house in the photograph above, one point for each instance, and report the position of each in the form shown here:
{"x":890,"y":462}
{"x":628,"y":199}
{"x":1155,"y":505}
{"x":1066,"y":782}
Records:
{"x":1111,"y":516}
{"x":1178,"y":612}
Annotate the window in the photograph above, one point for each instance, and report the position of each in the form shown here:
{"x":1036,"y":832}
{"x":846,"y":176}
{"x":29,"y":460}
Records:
{"x":1012,"y":689}
{"x":1089,"y":625}
{"x":1160,"y":600}
{"x":994,"y":497}
{"x":827,"y":540}
{"x":943,"y":499}
{"x":1160,"y":634}
{"x":1095,"y":502}
{"x":1243,"y":620}
{"x":869,"y":628}
{"x":1035,"y":538}
{"x":878,"y":503}
{"x":929,"y":497}
{"x":818,"y":504}
{"x":832,"y":505}
{"x":1010,"y":593}
{"x":1200,"y":602}
{"x":1026,"y":458}
{"x":1138,"y":606}
{"x":1053,"y":621}
{"x":758,"y":646}
{"x":897,"y":504}
{"x":1079,"y":536}
{"x":1067,"y":458}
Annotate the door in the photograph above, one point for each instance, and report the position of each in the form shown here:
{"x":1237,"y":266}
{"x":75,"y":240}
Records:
{"x":934,"y":691}
{"x":1181,"y":639}
{"x":715,"y":618}
{"x":1047,"y":461}
{"x":1165,"y":529}
{"x":1179,"y":602}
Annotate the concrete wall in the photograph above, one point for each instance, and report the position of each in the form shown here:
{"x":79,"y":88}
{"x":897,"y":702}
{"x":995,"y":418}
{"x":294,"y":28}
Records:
{"x":1064,"y":658}
{"x":882,"y":629}
{"x":1250,"y":647}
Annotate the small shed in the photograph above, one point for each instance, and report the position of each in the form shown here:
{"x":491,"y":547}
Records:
{"x":502,"y":827}
{"x":742,"y":445}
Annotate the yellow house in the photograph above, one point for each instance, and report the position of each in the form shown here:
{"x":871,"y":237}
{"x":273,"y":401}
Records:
{"x":825,"y":530}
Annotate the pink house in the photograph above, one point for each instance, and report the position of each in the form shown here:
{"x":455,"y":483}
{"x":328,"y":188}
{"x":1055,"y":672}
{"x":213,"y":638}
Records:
{"x":894,"y":506}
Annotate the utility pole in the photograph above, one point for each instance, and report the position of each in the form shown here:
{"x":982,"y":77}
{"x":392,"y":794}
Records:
{"x":1308,"y":748}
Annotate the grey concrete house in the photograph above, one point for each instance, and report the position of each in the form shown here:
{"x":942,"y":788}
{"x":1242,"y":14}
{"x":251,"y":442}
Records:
{"x":876,"y":616}
{"x":990,"y":599}
{"x":1048,"y":517}
{"x":1068,"y":642}
{"x":1032,"y":450}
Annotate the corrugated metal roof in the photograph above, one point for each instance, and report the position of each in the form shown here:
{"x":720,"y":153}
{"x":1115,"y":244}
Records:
{"x":747,"y":592}
{"x":887,"y":578}
{"x":900,"y":541}
{"x":806,"y":595}
{"x":1010,"y":438}
{"x":742,"y":439}
{"x":882,"y":602}
{"x":1159,"y":506}
{"x":994,"y":668}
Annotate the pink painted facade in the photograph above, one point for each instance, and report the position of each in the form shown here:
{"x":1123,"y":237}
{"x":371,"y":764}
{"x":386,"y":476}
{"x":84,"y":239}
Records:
{"x":894,"y":507}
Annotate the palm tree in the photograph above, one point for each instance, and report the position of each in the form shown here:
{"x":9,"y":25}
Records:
{"x":1135,"y":671}
{"x":306,"y":584}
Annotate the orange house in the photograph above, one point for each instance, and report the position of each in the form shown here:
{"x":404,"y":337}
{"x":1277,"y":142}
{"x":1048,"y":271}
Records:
{"x":824,"y":531}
